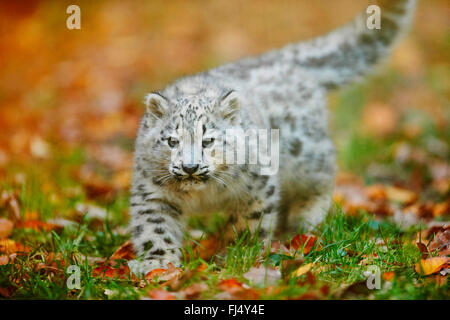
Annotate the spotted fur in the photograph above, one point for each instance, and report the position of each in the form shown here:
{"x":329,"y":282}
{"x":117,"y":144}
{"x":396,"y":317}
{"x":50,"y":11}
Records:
{"x":283,"y":89}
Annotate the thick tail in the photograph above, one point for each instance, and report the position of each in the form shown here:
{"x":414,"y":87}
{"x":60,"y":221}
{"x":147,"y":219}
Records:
{"x":336,"y":58}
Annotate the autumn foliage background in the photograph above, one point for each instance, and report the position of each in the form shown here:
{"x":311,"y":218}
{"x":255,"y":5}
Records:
{"x":71,"y":100}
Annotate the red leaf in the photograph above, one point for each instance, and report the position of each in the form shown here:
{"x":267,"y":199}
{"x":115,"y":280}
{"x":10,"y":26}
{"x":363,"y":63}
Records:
{"x":305,"y":241}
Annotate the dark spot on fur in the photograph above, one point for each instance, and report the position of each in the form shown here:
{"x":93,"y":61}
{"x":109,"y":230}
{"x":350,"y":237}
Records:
{"x":159,"y":230}
{"x":137,"y":231}
{"x":264,"y":180}
{"x":295,"y":147}
{"x":146,"y":194}
{"x":158,"y":252}
{"x":255,"y":215}
{"x":263,"y":233}
{"x":270,"y":191}
{"x":268,"y":209}
{"x":156,"y":220}
{"x":168,"y":240}
{"x":148,"y":245}
{"x":148,"y":211}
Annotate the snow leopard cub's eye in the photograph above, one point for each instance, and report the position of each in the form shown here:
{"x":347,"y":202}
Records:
{"x":207,"y":142}
{"x":172,"y":142}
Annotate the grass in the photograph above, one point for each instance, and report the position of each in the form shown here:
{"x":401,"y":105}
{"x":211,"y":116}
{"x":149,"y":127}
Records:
{"x":344,"y":242}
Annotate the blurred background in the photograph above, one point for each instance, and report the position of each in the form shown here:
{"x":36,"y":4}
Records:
{"x":71,"y":100}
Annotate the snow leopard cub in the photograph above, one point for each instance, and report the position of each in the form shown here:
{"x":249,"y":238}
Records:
{"x":283,"y":89}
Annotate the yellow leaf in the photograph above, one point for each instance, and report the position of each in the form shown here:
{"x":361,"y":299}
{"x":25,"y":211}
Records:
{"x":303,"y":269}
{"x":431,"y":265}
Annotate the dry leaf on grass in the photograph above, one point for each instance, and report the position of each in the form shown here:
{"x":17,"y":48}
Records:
{"x":38,"y":225}
{"x":263,"y":275}
{"x":302,"y":270}
{"x":305,"y":241}
{"x":125,"y":252}
{"x":8,"y":246}
{"x":236,"y":290}
{"x":194,"y":291}
{"x":401,"y":195}
{"x":164,"y":274}
{"x":388,"y":276}
{"x":6,"y":228}
{"x":431,"y":265}
{"x":6,"y":259}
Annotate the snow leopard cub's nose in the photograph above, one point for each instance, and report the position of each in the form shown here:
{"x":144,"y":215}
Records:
{"x":190,"y":168}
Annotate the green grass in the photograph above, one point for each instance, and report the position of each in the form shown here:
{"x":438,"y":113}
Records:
{"x":343,"y":241}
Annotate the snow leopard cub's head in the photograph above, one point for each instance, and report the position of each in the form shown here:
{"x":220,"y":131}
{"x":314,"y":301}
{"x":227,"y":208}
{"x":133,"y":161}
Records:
{"x":184,"y":136}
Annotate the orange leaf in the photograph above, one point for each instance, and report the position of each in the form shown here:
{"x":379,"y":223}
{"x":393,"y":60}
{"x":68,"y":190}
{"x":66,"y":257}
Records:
{"x":305,"y":241}
{"x":388,"y":276}
{"x":124,"y":252}
{"x":6,"y":228}
{"x":376,"y":192}
{"x":109,"y":272}
{"x":163,"y":274}
{"x":230,"y":284}
{"x":431,"y":265}
{"x":9,"y":246}
{"x":38,"y":225}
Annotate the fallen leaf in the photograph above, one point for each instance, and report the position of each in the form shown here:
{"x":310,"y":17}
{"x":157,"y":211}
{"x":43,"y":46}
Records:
{"x":431,"y":265}
{"x":194,"y":291}
{"x":38,"y":225}
{"x":107,"y":271}
{"x":125,"y":252}
{"x":302,"y":270}
{"x":235,"y":290}
{"x":8,"y":246}
{"x":376,"y":192}
{"x":6,"y":228}
{"x":423,"y":250}
{"x":230,"y":284}
{"x":263,"y":275}
{"x":401,"y":195}
{"x":305,"y":241}
{"x":441,"y":242}
{"x":9,"y":200}
{"x":206,"y":248}
{"x":158,"y":294}
{"x":164,"y":274}
{"x":289,"y":266}
{"x":7,"y":259}
{"x":388,"y":276}
{"x":5,"y":292}
{"x":441,"y":209}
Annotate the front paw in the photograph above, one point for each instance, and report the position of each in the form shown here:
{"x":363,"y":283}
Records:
{"x":143,"y":267}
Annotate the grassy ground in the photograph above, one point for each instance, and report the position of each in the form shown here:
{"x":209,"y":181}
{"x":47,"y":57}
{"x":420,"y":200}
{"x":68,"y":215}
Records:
{"x":67,"y":141}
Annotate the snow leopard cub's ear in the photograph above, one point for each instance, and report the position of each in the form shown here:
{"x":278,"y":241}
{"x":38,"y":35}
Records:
{"x":229,"y":106}
{"x":156,"y":104}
